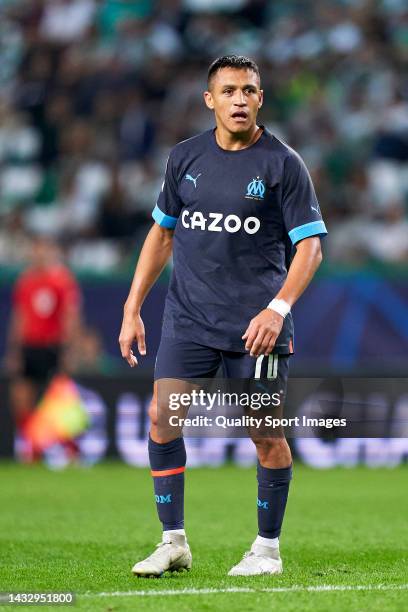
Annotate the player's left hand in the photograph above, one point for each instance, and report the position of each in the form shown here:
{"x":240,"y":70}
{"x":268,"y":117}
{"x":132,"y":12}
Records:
{"x":262,"y":332}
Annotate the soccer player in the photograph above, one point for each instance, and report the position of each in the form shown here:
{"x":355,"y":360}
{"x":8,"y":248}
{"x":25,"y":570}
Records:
{"x":234,"y":204}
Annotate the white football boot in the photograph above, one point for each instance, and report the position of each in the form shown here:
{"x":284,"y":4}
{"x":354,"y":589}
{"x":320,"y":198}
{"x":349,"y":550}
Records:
{"x":171,"y":555}
{"x":257,"y":561}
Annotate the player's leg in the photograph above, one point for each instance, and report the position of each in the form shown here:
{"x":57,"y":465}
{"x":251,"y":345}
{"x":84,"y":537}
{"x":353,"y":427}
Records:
{"x":274,"y":467}
{"x":274,"y":473}
{"x":28,"y":381}
{"x":23,"y":394}
{"x":176,"y":363}
{"x":167,"y":456}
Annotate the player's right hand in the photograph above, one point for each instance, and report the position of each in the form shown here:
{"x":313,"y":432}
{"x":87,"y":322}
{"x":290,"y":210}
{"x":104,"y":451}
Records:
{"x":132,"y":330}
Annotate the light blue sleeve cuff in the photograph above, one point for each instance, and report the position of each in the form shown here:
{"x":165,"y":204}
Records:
{"x":315,"y":228}
{"x":162,"y":219}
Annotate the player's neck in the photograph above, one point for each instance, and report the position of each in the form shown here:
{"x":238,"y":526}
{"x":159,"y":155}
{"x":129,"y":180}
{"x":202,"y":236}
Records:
{"x":234,"y":142}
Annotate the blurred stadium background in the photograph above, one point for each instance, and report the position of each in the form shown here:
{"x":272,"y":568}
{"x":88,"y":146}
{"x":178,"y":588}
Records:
{"x":94,"y":93}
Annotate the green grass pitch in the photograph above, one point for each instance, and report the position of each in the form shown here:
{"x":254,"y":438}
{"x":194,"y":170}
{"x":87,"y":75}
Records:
{"x":82,"y":530}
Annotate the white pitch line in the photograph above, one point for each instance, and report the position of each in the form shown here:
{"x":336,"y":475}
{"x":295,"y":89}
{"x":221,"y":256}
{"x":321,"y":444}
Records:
{"x":292,"y":589}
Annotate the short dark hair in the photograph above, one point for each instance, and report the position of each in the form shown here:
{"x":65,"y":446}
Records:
{"x":240,"y":62}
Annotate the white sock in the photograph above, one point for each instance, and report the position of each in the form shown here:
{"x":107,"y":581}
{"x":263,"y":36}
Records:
{"x":271,"y":542}
{"x":167,"y":534}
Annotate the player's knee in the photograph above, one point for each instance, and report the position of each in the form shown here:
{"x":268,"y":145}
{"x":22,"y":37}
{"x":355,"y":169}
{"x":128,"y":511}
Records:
{"x":264,"y":444}
{"x":22,"y":395}
{"x":153,"y":412}
{"x":159,"y":432}
{"x":272,"y":449}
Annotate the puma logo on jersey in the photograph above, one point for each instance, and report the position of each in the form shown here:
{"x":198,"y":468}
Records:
{"x":188,"y":177}
{"x":316,"y":209}
{"x":216,"y":222}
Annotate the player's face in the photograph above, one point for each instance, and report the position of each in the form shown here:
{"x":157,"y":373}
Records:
{"x":43,"y":253}
{"x":235,"y":97}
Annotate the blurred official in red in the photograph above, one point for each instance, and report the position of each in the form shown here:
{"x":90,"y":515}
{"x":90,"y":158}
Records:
{"x":45,"y":321}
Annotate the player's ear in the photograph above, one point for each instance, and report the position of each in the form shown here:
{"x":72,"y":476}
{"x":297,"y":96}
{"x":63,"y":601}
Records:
{"x":260,"y":98}
{"x":208,"y":99}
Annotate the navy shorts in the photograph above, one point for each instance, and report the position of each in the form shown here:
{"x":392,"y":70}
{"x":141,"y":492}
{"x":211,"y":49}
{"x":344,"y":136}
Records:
{"x":183,"y":359}
{"x":40,"y":363}
{"x":183,"y":365}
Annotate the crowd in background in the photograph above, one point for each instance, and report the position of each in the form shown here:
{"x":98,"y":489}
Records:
{"x":93,"y":94}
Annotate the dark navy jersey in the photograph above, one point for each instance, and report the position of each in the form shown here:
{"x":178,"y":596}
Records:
{"x":236,"y":216}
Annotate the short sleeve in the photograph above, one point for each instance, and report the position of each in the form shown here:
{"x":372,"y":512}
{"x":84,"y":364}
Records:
{"x":300,"y":208}
{"x":168,"y":207}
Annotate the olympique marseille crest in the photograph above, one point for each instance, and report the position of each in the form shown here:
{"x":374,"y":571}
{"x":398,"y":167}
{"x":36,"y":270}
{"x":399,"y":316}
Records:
{"x":255,"y":189}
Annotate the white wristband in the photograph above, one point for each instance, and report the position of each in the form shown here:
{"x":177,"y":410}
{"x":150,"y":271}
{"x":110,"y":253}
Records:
{"x":279,"y":306}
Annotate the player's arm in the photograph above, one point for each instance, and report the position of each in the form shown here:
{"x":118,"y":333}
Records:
{"x":264,"y":329}
{"x":71,"y":323}
{"x":71,"y":313}
{"x":154,"y":255}
{"x":13,"y":345}
{"x":12,"y":357}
